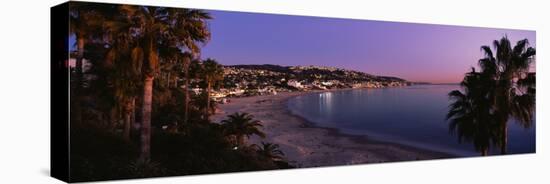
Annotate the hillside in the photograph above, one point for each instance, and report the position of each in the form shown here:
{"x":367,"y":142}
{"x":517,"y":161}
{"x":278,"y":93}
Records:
{"x":302,"y":77}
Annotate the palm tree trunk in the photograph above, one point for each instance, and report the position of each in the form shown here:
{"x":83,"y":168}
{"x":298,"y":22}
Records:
{"x":502,"y":101}
{"x":78,"y":64}
{"x":132,"y":115}
{"x":146,"y":118}
{"x":504,"y":139}
{"x":168,"y":80}
{"x":77,"y":114}
{"x":240,"y":140}
{"x":186,"y":89}
{"x":127,"y":122}
{"x":113,"y":118}
{"x":79,"y":57}
{"x":136,"y":115}
{"x":208,"y":101}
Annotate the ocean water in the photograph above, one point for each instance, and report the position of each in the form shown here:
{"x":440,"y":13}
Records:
{"x":412,"y":115}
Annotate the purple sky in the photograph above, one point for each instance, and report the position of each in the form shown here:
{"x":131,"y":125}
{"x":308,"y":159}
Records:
{"x":415,"y":52}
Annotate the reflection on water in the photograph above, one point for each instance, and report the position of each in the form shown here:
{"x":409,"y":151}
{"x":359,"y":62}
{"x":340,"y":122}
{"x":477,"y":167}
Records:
{"x":325,"y":105}
{"x":412,"y":115}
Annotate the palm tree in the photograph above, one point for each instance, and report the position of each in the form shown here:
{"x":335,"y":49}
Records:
{"x":192,"y":30}
{"x":212,"y":72}
{"x":122,"y":62}
{"x":270,"y":151}
{"x":172,"y":67}
{"x":84,"y":24}
{"x":125,"y":76}
{"x":240,"y":125}
{"x":160,"y":26}
{"x":186,"y":65}
{"x":470,"y":112}
{"x":189,"y":29}
{"x":513,"y":96}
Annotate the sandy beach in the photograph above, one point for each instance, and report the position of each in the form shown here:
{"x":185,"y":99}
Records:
{"x":305,"y":145}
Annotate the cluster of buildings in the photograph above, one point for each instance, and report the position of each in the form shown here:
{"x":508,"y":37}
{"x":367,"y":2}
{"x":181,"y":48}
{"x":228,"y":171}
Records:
{"x":312,"y":67}
{"x":263,"y":80}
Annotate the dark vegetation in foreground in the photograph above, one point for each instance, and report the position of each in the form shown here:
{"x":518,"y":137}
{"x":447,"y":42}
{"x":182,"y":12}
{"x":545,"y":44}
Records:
{"x":503,"y":89}
{"x":132,"y":111}
{"x":100,"y":155}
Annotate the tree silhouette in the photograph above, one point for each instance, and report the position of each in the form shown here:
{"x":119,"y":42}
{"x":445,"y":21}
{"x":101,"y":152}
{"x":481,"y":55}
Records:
{"x":504,"y":89}
{"x":269,"y":150}
{"x":470,"y":113}
{"x":513,"y":93}
{"x":212,"y":72}
{"x":240,"y":125}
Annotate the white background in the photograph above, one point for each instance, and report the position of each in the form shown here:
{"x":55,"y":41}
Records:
{"x":24,"y":94}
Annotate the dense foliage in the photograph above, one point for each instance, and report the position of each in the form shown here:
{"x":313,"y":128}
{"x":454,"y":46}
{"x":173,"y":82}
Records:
{"x":133,"y":113}
{"x":504,"y":89}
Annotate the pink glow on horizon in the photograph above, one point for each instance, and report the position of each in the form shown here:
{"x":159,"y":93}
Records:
{"x":415,"y":52}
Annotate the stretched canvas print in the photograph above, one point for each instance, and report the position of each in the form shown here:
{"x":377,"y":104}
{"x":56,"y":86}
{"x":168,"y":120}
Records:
{"x":143,"y":91}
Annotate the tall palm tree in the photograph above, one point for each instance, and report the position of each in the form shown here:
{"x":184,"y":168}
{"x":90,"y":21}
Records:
{"x":84,"y":25}
{"x":123,"y":61}
{"x":158,"y":26}
{"x":270,"y":151}
{"x":189,"y":29}
{"x":240,"y":125}
{"x":470,"y":112}
{"x":170,"y":65}
{"x":212,"y":72}
{"x":192,"y":30}
{"x":87,"y":25}
{"x":186,"y":65}
{"x":176,"y":65}
{"x":513,"y":96}
{"x":126,"y":61}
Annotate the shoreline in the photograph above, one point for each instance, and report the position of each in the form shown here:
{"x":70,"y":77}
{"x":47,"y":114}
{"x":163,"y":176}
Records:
{"x":307,"y":145}
{"x":366,"y":139}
